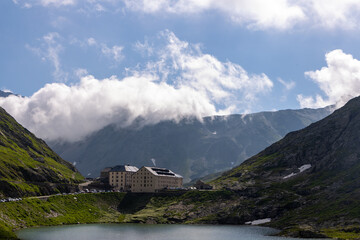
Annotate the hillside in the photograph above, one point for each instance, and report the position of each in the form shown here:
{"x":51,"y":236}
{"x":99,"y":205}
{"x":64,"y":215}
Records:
{"x":190,"y":148}
{"x":28,"y":166}
{"x":309,"y":179}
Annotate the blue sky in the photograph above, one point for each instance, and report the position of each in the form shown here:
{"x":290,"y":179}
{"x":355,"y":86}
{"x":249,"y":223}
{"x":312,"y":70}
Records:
{"x":162,"y":60}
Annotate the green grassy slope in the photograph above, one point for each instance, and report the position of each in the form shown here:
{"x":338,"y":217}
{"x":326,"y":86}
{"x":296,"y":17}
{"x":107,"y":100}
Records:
{"x":27,"y":165}
{"x":190,"y":207}
{"x":58,"y":210}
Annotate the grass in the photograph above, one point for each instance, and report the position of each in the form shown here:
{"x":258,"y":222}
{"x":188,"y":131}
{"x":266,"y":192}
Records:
{"x":58,"y":210}
{"x":155,"y":208}
{"x":347,"y":233}
{"x":27,"y":165}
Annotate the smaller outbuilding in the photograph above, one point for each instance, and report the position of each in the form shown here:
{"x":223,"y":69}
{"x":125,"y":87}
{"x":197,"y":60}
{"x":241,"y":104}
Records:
{"x":201,"y":185}
{"x":104,"y":174}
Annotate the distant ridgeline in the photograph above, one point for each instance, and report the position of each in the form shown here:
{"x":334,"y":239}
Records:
{"x":191,"y":148}
{"x":28,"y":166}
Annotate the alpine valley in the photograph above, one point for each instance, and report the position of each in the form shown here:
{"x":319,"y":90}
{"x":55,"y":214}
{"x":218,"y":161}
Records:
{"x":306,"y":185}
{"x":192,"y":148}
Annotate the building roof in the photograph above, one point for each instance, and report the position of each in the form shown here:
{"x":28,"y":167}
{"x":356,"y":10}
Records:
{"x":124,"y":168}
{"x":162,"y":172}
{"x":107,"y":169}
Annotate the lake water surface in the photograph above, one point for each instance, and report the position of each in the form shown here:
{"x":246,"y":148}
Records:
{"x":148,"y":232}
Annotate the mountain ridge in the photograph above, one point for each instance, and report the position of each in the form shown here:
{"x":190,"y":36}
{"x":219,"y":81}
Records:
{"x":309,"y":178}
{"x":28,"y":166}
{"x":190,"y":147}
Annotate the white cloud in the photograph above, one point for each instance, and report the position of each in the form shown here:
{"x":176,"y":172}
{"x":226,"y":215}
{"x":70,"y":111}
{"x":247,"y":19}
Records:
{"x":333,"y":13}
{"x":57,"y":3}
{"x":254,"y":14}
{"x":91,"y":42}
{"x":45,"y":3}
{"x":203,"y":72}
{"x":27,"y":5}
{"x":339,"y":81}
{"x":182,"y":83}
{"x":145,"y":48}
{"x":49,"y":50}
{"x":81,"y":72}
{"x":259,"y":14}
{"x":99,"y":8}
{"x":60,"y":22}
{"x":288,"y":85}
{"x":58,"y":111}
{"x":114,"y":52}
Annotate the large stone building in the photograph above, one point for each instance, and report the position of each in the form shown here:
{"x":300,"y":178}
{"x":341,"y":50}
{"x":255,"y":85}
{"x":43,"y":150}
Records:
{"x":120,"y":177}
{"x":153,"y":179}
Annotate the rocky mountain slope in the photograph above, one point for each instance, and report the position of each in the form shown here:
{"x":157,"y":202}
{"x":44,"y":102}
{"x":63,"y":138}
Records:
{"x":308,"y":180}
{"x":28,"y":166}
{"x":190,"y":148}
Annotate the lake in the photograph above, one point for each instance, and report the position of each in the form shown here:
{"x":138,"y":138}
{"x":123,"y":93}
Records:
{"x":148,"y":232}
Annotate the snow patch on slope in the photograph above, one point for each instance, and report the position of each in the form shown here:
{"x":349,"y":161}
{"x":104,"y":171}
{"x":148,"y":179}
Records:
{"x":301,"y":169}
{"x":258,"y":221}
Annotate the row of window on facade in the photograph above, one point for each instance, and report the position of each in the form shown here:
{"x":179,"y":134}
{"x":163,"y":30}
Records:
{"x":151,"y":179}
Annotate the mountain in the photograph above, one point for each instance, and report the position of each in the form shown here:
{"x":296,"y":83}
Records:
{"x":190,"y":147}
{"x":28,"y":166}
{"x":309,"y":179}
{"x":5,"y":94}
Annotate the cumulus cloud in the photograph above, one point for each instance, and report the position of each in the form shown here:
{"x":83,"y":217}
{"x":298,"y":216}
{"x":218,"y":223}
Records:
{"x":182,"y":83}
{"x":254,"y":14}
{"x":259,"y":14}
{"x":58,"y":111}
{"x":49,"y":50}
{"x":186,"y":63}
{"x":333,"y":13}
{"x":339,"y":81}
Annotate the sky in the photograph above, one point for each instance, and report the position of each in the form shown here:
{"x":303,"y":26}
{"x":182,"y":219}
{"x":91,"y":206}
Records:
{"x":79,"y":65}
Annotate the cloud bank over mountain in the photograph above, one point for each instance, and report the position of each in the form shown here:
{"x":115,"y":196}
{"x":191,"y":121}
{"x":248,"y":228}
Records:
{"x":182,"y":82}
